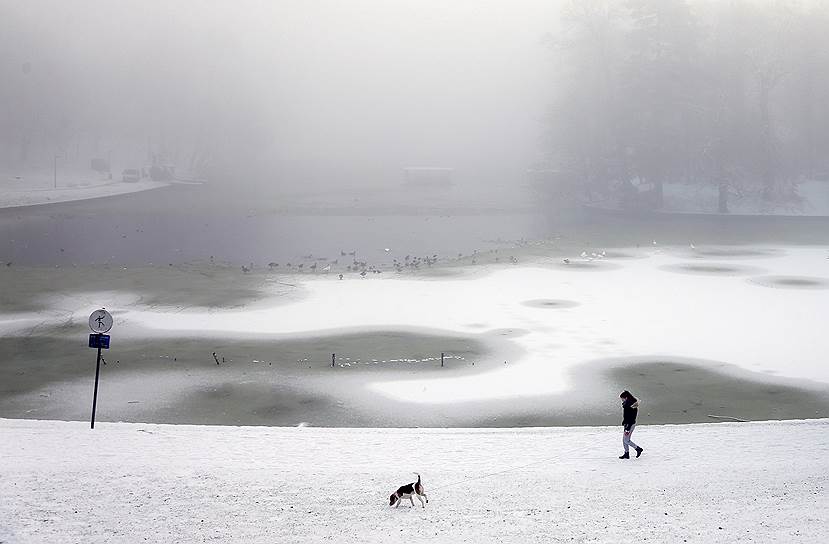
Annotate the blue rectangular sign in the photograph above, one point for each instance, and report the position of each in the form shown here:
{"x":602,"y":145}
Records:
{"x":99,"y":341}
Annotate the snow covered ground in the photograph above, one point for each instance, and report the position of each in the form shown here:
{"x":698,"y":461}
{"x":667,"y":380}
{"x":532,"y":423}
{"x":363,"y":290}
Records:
{"x":726,"y":482}
{"x":33,"y":190}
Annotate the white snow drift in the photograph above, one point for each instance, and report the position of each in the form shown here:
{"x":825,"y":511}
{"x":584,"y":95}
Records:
{"x":125,"y":483}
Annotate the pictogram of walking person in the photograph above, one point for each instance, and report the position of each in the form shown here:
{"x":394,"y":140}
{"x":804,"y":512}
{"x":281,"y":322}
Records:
{"x":630,"y":408}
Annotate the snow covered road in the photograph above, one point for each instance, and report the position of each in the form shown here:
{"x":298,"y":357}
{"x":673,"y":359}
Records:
{"x":726,"y":482}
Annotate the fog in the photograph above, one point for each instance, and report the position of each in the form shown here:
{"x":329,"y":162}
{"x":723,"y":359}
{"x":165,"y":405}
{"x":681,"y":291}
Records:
{"x":522,"y":114}
{"x":328,"y":92}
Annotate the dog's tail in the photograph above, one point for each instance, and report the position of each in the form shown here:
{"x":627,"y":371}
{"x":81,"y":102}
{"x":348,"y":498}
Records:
{"x":419,"y":487}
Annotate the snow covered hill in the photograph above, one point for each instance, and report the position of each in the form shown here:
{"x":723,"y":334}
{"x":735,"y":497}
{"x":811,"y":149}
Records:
{"x":726,"y":482}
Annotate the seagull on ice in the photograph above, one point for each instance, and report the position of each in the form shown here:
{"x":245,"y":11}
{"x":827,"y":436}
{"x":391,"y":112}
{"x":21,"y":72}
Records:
{"x":583,"y":254}
{"x":386,"y":249}
{"x":566,"y":261}
{"x":693,"y":247}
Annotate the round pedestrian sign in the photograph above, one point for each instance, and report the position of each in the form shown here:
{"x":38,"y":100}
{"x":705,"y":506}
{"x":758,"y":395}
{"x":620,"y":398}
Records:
{"x":100,"y":321}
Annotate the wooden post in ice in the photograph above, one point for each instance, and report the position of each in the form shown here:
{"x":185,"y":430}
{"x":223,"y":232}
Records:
{"x":332,"y":359}
{"x":441,"y":359}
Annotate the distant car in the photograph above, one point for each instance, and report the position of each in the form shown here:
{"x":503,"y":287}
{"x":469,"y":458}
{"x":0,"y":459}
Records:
{"x":130,"y":175}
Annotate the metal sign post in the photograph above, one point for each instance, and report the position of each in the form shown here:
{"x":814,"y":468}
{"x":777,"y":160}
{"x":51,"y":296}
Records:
{"x":100,"y":322}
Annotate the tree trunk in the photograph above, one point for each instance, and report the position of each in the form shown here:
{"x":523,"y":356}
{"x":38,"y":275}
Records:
{"x":658,"y":195}
{"x":722,"y":189}
{"x":23,"y":157}
{"x":722,"y":200}
{"x":767,"y":160}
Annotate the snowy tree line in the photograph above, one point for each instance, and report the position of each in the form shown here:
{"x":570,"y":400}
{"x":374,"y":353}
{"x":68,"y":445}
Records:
{"x":727,"y":93}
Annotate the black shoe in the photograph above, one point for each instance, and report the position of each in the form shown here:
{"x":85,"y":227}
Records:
{"x":639,"y":452}
{"x":625,"y":455}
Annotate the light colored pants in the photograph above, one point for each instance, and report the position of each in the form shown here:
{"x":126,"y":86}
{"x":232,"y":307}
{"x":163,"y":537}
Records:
{"x":626,"y":441}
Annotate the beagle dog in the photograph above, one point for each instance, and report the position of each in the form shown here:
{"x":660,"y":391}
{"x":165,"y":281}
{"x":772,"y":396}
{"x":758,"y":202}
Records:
{"x":407,"y":491}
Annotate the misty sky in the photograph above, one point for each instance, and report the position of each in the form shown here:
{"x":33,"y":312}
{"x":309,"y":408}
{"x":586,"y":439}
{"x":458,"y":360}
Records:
{"x":459,"y":84}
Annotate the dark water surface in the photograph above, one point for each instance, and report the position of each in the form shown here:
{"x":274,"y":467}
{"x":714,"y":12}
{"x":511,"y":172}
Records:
{"x":181,"y":224}
{"x":186,"y":223}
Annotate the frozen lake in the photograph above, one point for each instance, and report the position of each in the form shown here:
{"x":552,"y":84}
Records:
{"x":730,"y":331}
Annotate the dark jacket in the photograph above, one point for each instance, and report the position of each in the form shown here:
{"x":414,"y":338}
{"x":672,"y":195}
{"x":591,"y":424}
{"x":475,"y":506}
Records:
{"x":630,"y":408}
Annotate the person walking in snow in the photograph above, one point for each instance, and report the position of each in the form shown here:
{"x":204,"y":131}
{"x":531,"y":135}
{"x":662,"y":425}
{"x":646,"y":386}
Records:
{"x":630,"y":408}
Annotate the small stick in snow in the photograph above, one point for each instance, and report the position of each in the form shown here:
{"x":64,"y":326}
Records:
{"x":728,"y":417}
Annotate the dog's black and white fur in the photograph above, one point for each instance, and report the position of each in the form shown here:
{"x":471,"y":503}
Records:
{"x":407,"y":492}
